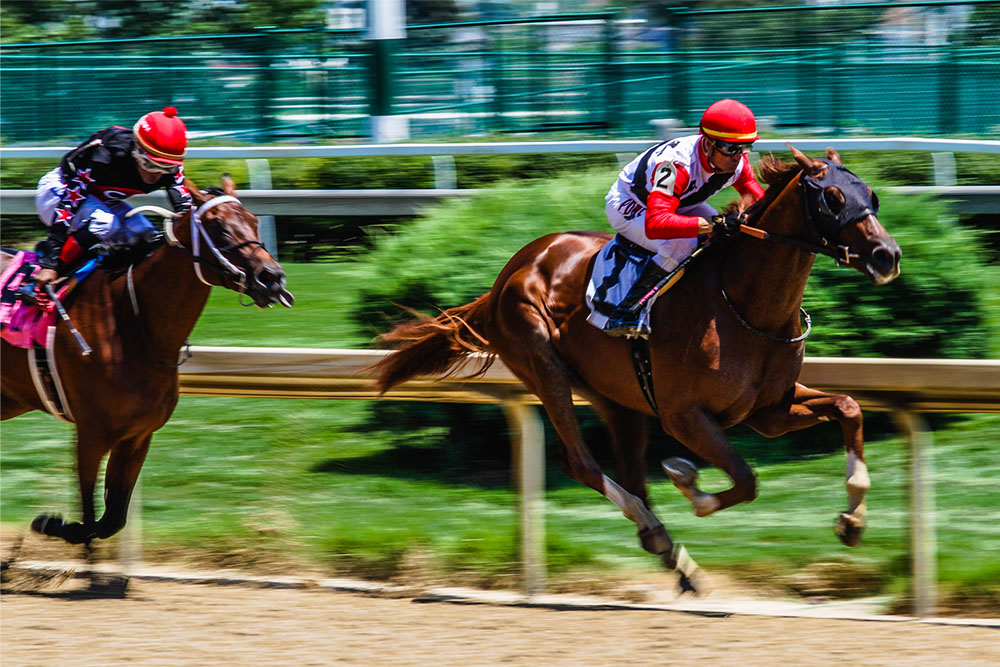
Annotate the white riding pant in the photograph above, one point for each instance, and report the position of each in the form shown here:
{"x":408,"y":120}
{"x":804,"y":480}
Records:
{"x":669,"y":252}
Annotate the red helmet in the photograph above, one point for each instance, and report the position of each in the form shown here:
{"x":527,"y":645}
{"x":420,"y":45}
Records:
{"x":729,"y":120}
{"x":162,"y":136}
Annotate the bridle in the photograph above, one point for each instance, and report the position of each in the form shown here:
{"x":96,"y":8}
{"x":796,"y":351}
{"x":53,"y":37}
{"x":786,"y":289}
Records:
{"x":223,"y":267}
{"x":823,"y":226}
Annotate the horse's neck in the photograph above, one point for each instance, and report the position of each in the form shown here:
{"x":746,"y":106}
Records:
{"x":767,"y":278}
{"x":169,"y":297}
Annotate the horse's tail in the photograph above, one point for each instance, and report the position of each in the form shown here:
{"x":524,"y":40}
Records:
{"x":432,"y":346}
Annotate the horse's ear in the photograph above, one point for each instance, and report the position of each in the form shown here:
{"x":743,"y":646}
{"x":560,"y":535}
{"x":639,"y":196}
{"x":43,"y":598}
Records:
{"x":833,"y":155}
{"x":196,"y":194}
{"x":228,"y":185}
{"x":809,"y":165}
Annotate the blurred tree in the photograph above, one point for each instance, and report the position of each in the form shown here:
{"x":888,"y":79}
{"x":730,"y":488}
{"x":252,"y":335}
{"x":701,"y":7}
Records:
{"x":43,"y":20}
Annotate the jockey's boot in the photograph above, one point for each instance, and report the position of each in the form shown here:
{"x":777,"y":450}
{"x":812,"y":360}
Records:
{"x":629,"y":318}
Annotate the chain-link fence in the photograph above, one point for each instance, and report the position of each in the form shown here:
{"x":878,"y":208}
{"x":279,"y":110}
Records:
{"x":930,"y":68}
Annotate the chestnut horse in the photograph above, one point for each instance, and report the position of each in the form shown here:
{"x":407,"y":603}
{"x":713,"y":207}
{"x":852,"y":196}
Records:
{"x":726,"y":345}
{"x":137,"y":321}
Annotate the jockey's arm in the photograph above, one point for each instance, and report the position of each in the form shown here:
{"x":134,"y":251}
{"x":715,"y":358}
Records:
{"x":662,"y":219}
{"x":178,"y":192}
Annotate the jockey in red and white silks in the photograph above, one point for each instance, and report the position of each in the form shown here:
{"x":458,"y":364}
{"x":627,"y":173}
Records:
{"x":659,"y":199}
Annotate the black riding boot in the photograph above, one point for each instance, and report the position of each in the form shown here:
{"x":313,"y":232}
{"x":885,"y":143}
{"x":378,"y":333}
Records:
{"x":629,"y":318}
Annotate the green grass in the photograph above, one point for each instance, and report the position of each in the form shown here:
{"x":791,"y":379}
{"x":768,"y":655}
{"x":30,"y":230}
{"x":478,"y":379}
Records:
{"x":252,"y":481}
{"x":310,"y":483}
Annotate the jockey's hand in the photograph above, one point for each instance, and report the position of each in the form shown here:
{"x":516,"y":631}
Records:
{"x":44,"y":277}
{"x":727,"y":225}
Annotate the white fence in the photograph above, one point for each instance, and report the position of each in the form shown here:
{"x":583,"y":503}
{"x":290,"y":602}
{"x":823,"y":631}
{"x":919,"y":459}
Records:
{"x":968,"y":199}
{"x":266,"y":202}
{"x":537,"y":147}
{"x":906,"y":387}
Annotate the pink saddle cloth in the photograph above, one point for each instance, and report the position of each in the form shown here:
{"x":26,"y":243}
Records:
{"x":22,"y":324}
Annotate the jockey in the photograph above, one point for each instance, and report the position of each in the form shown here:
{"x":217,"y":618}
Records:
{"x":658,"y":205}
{"x":80,"y":201}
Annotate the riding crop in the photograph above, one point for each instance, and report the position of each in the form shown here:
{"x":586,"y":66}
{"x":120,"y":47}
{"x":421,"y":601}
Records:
{"x":84,"y":348}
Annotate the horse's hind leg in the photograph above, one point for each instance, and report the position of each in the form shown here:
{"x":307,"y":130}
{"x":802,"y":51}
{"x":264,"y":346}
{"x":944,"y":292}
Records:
{"x":535,"y":361}
{"x":629,"y":436}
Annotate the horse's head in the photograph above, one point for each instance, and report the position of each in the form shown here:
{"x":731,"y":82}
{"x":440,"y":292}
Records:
{"x":226,"y":248}
{"x":841,"y":217}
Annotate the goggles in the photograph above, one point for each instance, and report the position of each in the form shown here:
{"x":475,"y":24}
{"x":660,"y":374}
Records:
{"x":147,"y":163}
{"x":730,"y":149}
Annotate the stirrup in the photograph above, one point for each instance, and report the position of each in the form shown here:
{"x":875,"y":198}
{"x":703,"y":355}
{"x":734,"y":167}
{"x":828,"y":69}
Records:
{"x":626,"y":328}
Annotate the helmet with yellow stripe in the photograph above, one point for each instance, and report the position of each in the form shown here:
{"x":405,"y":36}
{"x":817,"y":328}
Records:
{"x":729,"y":121}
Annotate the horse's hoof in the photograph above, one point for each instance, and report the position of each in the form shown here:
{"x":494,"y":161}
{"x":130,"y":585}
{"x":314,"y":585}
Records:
{"x":47,"y":524}
{"x":849,"y":529}
{"x":687,"y":584}
{"x":681,"y":472}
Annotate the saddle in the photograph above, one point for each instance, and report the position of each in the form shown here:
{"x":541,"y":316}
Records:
{"x":22,"y":322}
{"x":623,"y":284}
{"x":25,"y":325}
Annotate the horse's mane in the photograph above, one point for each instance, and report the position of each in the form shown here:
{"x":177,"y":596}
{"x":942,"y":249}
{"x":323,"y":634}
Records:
{"x":776,"y":175}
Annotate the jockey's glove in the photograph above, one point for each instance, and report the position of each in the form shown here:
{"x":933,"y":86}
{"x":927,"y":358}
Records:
{"x":727,"y":225}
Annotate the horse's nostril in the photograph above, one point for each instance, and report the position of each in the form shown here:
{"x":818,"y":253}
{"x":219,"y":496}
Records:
{"x":884,"y":259}
{"x":270,"y":280}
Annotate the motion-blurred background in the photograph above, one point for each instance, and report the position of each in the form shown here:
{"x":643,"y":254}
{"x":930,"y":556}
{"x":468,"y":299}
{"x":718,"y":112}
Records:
{"x":385,"y":489}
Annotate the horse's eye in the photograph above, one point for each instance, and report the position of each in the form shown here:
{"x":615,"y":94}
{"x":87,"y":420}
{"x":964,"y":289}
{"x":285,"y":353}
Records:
{"x":834,"y":200}
{"x":874,"y":200}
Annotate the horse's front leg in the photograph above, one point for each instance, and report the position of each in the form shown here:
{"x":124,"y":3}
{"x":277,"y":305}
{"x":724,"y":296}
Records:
{"x":809,"y":407}
{"x":700,"y":433}
{"x":90,"y":450}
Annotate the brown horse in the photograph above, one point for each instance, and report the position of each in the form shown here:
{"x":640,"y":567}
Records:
{"x":137,"y":320}
{"x":726,"y":345}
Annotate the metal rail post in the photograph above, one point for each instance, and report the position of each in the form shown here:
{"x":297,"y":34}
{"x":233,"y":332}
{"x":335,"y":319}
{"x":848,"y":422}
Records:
{"x":528,"y":439}
{"x":259,"y":171}
{"x":386,"y":32}
{"x":923,"y":545}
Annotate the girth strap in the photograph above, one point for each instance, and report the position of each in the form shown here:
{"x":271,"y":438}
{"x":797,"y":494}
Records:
{"x":643,"y":369}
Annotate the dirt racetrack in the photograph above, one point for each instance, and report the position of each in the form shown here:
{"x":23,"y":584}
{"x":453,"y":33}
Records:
{"x":172,"y":623}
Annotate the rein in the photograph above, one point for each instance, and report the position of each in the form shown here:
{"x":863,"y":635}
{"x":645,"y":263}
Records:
{"x":225,"y":268}
{"x":841,"y":254}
